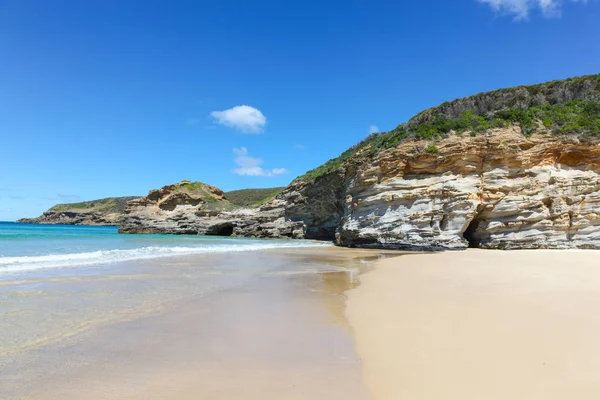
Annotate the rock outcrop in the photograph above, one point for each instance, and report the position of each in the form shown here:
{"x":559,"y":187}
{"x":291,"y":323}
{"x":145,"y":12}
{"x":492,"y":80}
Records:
{"x":500,"y":189}
{"x":103,"y":212}
{"x":511,"y":169}
{"x":302,"y":210}
{"x":200,"y":209}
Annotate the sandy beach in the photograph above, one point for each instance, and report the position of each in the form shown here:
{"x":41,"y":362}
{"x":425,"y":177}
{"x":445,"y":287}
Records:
{"x":293,"y":324}
{"x":480,"y":325}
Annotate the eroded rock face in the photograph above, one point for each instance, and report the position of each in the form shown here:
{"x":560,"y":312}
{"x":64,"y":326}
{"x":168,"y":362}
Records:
{"x":495,"y":190}
{"x":175,"y":209}
{"x":318,"y":204}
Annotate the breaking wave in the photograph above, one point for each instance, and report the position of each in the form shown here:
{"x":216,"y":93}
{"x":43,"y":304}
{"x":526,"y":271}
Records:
{"x":28,"y":263}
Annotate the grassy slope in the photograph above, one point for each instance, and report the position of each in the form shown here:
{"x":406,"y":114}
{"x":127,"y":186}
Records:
{"x":108,"y":205}
{"x":198,"y":188}
{"x":234,"y":198}
{"x":544,"y":107}
{"x":252,"y":197}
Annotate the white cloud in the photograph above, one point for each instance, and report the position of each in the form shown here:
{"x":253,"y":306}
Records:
{"x":251,"y":166}
{"x":299,"y":147}
{"x":373,"y":129}
{"x":192,"y":121}
{"x":521,"y":8}
{"x":243,"y":118}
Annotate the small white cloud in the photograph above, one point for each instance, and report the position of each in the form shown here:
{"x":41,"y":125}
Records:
{"x":520,"y":9}
{"x":251,"y":166}
{"x":299,"y":147}
{"x":373,"y":129}
{"x":243,"y":118}
{"x":192,"y":121}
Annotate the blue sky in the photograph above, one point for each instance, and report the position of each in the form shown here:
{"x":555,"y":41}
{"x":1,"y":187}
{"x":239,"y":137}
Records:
{"x":108,"y":98}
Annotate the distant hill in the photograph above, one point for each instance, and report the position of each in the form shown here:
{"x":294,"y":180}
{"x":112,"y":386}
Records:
{"x":106,"y":211}
{"x":107,"y":205}
{"x":252,"y":197}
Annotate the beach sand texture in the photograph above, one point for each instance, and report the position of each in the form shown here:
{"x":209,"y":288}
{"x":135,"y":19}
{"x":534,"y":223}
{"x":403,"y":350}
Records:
{"x":480,"y":325}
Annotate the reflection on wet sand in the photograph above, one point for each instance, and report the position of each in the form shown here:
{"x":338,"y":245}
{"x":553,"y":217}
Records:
{"x":266,"y":325}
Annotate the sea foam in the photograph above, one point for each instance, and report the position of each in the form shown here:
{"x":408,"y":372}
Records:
{"x":29,"y":263}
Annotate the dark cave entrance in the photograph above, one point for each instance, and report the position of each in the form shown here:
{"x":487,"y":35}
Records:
{"x":221,"y":230}
{"x":473,"y":234}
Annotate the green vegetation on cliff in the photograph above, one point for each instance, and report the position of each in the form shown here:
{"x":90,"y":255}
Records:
{"x":107,"y":205}
{"x":199,"y":188}
{"x":570,"y":106}
{"x":212,"y":198}
{"x":192,"y":186}
{"x":252,"y":197}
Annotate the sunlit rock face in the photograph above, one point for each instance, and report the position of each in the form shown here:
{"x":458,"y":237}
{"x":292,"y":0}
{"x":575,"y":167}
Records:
{"x":187,"y":208}
{"x":499,"y":189}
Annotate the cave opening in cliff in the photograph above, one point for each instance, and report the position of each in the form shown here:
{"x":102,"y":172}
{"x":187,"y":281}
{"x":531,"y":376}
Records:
{"x":471,"y":234}
{"x":221,"y":230}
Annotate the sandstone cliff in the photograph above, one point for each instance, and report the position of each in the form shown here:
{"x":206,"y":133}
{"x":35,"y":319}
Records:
{"x":499,"y":189}
{"x":514,"y":168}
{"x":106,"y":212}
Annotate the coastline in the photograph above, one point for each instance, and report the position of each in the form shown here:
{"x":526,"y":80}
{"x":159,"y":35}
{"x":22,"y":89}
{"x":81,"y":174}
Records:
{"x":480,"y":324}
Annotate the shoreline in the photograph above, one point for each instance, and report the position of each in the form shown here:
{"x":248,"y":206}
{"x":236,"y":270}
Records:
{"x":256,"y":325}
{"x":459,"y":325}
{"x":479,"y":324}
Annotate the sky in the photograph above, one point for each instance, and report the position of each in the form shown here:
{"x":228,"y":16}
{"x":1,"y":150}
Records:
{"x":104,"y":98}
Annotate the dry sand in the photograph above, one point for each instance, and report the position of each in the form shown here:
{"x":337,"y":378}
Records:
{"x":480,"y":325}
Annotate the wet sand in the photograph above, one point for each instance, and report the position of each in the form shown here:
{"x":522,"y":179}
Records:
{"x":480,"y":325}
{"x":255,"y":325}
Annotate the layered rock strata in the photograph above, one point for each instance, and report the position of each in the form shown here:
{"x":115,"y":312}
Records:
{"x":175,"y":209}
{"x":495,"y":190}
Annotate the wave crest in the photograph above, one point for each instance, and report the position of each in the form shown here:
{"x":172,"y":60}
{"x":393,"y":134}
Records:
{"x":28,"y":263}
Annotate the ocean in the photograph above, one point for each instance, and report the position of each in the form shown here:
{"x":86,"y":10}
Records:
{"x":30,"y":247}
{"x":88,"y":313}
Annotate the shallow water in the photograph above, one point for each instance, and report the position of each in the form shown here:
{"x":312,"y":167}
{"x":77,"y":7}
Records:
{"x":31,"y":247}
{"x":249,"y":324}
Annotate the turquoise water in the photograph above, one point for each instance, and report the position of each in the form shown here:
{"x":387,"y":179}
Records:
{"x":81,"y":307}
{"x":26,"y":247}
